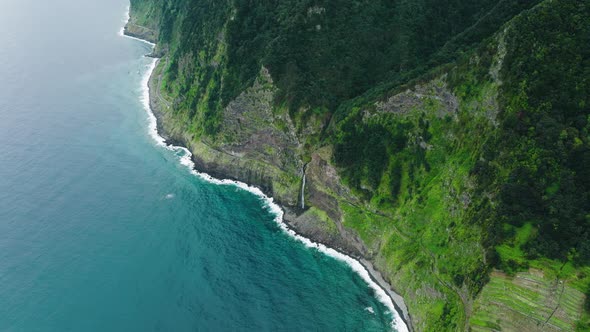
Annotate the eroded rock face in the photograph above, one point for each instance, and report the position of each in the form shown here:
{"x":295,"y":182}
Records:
{"x":323,"y":192}
{"x":323,"y":176}
{"x":138,"y":31}
{"x":435,"y":91}
{"x":253,"y":129}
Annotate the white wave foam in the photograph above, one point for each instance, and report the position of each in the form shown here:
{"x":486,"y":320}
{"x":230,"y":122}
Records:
{"x":138,"y":39}
{"x":370,"y":309}
{"x":145,"y":100}
{"x":185,"y":158}
{"x":125,"y":20}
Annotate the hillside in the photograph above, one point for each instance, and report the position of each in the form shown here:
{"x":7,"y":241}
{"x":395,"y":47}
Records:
{"x":448,"y":143}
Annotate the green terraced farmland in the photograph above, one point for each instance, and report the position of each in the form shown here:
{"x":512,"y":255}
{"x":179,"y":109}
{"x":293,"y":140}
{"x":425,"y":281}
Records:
{"x":529,"y":301}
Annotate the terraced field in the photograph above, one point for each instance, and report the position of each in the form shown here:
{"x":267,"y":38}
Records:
{"x":529,"y":301}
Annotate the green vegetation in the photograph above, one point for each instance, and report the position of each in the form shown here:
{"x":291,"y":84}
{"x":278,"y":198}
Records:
{"x":527,"y":297}
{"x":310,"y":47}
{"x":516,"y":169}
{"x":462,"y":130}
{"x":544,"y":177}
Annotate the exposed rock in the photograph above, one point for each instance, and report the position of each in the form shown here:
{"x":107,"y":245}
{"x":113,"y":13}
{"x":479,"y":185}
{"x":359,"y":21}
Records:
{"x":315,"y":10}
{"x":435,"y":91}
{"x":251,"y":128}
{"x":140,"y":32}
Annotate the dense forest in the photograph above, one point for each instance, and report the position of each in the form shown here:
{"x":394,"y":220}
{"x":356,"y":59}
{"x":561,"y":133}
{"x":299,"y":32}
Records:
{"x":545,"y":127}
{"x":462,"y":128}
{"x":320,"y":53}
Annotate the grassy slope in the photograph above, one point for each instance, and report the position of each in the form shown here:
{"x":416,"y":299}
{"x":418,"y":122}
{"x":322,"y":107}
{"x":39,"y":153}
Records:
{"x":424,"y":240}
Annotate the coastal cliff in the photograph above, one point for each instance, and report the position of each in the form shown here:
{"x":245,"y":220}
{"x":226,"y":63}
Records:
{"x":405,"y":164}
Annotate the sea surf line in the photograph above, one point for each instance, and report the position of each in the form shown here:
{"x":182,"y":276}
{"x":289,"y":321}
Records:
{"x":397,"y":323}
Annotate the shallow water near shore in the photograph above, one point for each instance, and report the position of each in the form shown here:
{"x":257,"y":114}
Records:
{"x":102,"y":229}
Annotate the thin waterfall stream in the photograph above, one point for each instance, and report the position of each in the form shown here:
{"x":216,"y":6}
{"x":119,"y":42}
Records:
{"x":303,"y":187}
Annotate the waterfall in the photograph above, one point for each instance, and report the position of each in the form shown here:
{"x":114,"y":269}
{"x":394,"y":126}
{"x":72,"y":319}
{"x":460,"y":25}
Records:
{"x":303,"y":189}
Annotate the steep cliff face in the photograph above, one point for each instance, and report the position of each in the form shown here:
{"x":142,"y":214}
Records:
{"x":447,"y":143}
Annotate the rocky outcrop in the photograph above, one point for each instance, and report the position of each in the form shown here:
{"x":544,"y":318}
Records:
{"x":252,"y":129}
{"x":434,"y":92}
{"x":140,"y":32}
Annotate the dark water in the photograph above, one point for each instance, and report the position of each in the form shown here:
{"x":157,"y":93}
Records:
{"x":103,"y":230}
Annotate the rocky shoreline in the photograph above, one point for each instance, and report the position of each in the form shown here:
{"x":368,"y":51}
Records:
{"x":236,"y":171}
{"x":139,"y":32}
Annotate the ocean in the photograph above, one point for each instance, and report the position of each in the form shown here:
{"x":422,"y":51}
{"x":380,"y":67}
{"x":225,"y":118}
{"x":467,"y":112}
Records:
{"x":105,"y":228}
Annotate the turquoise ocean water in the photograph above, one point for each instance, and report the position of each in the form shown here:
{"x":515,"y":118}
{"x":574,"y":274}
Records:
{"x":102,"y":229}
